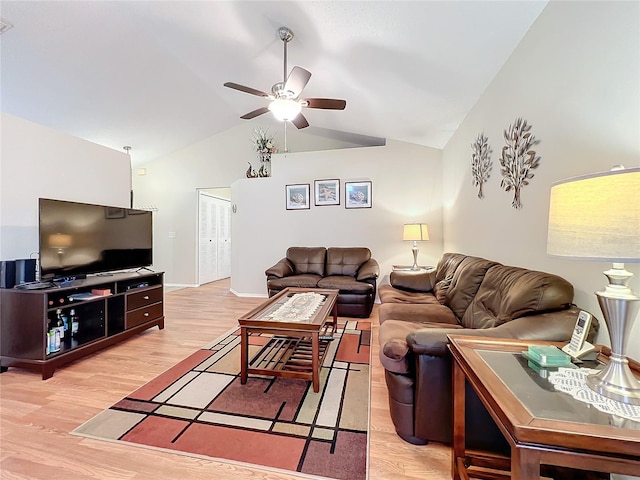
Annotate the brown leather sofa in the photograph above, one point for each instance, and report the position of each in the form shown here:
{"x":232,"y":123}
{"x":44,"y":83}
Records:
{"x":462,"y":295}
{"x":351,"y":270}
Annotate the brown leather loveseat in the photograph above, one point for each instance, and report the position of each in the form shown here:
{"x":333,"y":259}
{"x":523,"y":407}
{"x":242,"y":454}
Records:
{"x":462,"y":295}
{"x":351,"y":270}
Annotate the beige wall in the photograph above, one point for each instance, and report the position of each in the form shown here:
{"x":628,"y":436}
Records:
{"x":171,"y":183}
{"x":575,"y":77}
{"x":405,"y":188}
{"x":36,"y":162}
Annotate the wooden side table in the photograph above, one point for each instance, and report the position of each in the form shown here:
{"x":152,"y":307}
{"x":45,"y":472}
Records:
{"x":541,"y":424}
{"x":407,"y":268}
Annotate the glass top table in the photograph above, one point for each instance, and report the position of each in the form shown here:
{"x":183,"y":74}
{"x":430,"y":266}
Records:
{"x":300,"y":323}
{"x":542,"y":425}
{"x":530,"y":384}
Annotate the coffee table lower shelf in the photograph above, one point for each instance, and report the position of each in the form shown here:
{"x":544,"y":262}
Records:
{"x":287,"y":357}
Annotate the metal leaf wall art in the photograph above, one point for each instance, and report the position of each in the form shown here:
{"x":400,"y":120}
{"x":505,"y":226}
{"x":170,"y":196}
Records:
{"x":480,"y":162}
{"x":518,"y":159}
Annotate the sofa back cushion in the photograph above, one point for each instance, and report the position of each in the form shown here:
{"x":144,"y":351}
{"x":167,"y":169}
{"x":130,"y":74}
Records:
{"x":465,"y":283}
{"x":507,"y":293}
{"x":444,"y":273}
{"x":346,"y":260}
{"x":307,"y":259}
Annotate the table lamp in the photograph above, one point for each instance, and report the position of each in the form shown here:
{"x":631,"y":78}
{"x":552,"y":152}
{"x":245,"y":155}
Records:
{"x":416,"y":232}
{"x":597,"y":217}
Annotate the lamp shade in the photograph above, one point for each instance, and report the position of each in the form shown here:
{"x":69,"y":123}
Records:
{"x":596,"y":217}
{"x":415,"y":231}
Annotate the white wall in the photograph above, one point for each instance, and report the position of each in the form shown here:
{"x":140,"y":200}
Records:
{"x":406,"y":187}
{"x":170,"y":184}
{"x":576,"y":78}
{"x":36,"y":162}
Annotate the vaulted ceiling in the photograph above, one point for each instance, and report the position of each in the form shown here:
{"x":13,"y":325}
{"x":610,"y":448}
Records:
{"x":150,"y":74}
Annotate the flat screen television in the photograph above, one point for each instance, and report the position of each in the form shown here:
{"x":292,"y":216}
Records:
{"x":77,"y":239}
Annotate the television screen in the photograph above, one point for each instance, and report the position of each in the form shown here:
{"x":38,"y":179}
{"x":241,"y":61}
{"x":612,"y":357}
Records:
{"x":80,"y":238}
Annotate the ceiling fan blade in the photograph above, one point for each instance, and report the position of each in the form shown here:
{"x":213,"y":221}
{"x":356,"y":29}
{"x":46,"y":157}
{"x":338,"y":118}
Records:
{"x":297,"y":80}
{"x":326,"y":103}
{"x":242,"y":88}
{"x":255,"y":113}
{"x":300,"y":122}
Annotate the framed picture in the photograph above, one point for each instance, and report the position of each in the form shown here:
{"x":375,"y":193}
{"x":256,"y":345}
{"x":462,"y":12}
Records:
{"x":357,"y":194}
{"x":327,"y":192}
{"x":298,"y":196}
{"x":114,"y":212}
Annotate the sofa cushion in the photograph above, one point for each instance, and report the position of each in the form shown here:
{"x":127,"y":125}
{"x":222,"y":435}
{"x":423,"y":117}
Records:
{"x":300,"y":281}
{"x":417,"y":313}
{"x":507,"y":293}
{"x":390,"y":294}
{"x":465,"y":283}
{"x":393,"y":344}
{"x":346,"y":261}
{"x":413,"y":281}
{"x":345,"y":284}
{"x":307,"y":259}
{"x":444,"y":273}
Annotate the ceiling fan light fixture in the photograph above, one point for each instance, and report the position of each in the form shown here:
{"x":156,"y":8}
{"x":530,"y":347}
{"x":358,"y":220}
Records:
{"x":285,"y":108}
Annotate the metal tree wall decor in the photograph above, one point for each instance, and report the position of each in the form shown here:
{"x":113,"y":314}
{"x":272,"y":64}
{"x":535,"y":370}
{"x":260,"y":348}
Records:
{"x":480,"y":162}
{"x":518,"y":159}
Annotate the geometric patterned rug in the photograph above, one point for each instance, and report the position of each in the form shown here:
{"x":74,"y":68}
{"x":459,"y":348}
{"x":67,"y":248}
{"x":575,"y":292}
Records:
{"x":199,"y":408}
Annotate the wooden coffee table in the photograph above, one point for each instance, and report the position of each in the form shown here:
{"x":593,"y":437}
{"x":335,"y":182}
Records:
{"x":541,"y":424}
{"x":297,"y":345}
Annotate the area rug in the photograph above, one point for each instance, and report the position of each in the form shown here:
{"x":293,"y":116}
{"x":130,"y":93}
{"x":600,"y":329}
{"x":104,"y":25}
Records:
{"x":199,"y":408}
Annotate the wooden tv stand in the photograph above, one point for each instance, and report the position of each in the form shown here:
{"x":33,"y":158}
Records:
{"x":135,"y":304}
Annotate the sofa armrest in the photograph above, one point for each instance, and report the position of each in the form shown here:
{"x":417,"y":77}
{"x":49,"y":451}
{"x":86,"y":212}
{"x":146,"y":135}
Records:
{"x":368,"y":270}
{"x":419,"y":281}
{"x":283,"y":268}
{"x":551,"y":326}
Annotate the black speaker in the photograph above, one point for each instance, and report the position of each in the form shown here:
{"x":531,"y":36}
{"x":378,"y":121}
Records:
{"x":25,"y":270}
{"x":7,"y":273}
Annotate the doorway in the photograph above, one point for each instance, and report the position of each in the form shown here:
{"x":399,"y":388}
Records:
{"x":214,"y":234}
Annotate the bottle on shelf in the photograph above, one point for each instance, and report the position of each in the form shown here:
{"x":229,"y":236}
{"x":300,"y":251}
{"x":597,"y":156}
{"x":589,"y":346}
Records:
{"x":73,"y":323}
{"x":60,"y":323}
{"x":66,"y":325}
{"x":47,"y":337}
{"x":53,"y":336}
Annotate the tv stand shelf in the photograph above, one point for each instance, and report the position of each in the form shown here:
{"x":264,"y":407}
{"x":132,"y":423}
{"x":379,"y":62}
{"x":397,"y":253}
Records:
{"x":134,"y":304}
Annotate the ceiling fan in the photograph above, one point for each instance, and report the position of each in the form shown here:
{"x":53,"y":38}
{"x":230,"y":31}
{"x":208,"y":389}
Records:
{"x":286,"y":103}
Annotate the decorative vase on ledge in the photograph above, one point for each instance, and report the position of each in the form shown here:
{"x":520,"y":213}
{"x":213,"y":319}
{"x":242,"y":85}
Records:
{"x":265,"y":164}
{"x":264,"y":147}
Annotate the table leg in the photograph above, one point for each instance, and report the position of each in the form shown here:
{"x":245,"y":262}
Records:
{"x":525,"y":464}
{"x":244,"y":354}
{"x":315,"y":361}
{"x":458,"y":381}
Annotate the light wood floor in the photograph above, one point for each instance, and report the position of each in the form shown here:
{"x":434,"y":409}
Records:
{"x":37,"y":416}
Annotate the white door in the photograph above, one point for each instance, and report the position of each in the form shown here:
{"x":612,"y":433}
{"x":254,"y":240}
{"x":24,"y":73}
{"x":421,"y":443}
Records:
{"x":224,"y":239}
{"x":214,"y":238}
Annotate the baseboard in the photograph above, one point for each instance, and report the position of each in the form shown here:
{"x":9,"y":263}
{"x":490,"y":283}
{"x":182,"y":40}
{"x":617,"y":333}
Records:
{"x":181,"y":285}
{"x":249,"y":295}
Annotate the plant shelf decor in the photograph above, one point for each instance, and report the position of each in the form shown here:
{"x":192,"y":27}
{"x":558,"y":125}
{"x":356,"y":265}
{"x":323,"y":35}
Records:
{"x":264,"y":147}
